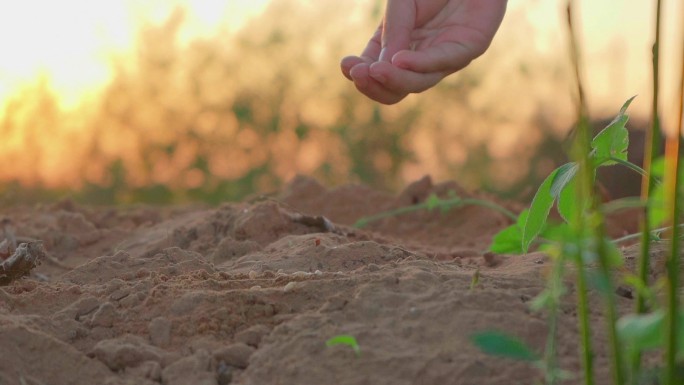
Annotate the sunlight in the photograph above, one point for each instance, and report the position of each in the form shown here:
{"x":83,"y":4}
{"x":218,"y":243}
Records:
{"x":70,"y":42}
{"x":131,"y":93}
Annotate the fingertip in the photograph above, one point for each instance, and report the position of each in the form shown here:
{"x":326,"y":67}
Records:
{"x":404,"y":60}
{"x":347,"y":63}
{"x":359,"y":74}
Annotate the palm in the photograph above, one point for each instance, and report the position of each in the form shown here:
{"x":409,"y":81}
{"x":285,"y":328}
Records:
{"x":421,"y":42}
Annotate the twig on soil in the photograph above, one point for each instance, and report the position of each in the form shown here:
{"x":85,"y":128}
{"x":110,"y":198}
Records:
{"x":26,"y":257}
{"x":48,"y":258}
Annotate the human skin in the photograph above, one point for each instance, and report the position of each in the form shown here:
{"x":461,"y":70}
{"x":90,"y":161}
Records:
{"x":419,"y":43}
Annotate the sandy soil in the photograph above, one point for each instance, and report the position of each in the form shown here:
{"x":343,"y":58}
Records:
{"x":248,"y":293}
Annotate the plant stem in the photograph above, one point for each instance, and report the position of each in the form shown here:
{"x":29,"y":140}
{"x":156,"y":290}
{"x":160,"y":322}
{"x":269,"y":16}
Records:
{"x":653,"y":140}
{"x":443,"y":203}
{"x":638,"y":235}
{"x":590,"y":226}
{"x":584,"y":194}
{"x":555,"y":282}
{"x":631,"y":166}
{"x":672,"y":167}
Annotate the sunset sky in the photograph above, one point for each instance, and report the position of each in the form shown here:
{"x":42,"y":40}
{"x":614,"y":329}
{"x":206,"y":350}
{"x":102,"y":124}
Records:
{"x":524,"y":78}
{"x":71,"y":41}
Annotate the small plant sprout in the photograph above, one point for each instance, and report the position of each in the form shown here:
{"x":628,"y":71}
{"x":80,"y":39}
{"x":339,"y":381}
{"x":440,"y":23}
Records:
{"x":609,"y":147}
{"x":475,"y":280}
{"x":432,"y":203}
{"x":347,"y":340}
{"x":658,"y":321}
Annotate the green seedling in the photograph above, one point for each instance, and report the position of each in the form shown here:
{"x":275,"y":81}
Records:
{"x":475,"y":280}
{"x":432,"y":203}
{"x":609,"y":147}
{"x":347,"y":340}
{"x":581,"y":240}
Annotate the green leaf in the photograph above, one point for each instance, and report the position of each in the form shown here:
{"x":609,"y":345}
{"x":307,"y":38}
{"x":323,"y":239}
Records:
{"x":539,"y":211}
{"x":612,"y":141}
{"x":567,"y":202}
{"x":564,"y":174}
{"x":509,"y":240}
{"x":647,"y":331}
{"x":500,"y":344}
{"x":564,"y":190}
{"x":345,"y":340}
{"x":432,"y":202}
{"x":642,"y":331}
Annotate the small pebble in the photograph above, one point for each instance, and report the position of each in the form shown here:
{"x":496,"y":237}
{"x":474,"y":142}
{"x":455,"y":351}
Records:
{"x":236,"y":355}
{"x":290,"y":286}
{"x":300,"y":274}
{"x":160,"y":331}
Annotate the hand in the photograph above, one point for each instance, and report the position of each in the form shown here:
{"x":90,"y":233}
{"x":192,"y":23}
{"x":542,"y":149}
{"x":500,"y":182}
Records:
{"x":419,"y":43}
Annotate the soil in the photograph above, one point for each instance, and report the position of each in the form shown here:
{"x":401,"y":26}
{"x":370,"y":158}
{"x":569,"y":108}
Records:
{"x":249,"y":293}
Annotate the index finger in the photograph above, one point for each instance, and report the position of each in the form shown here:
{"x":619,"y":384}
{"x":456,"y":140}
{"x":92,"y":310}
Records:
{"x":399,"y":22}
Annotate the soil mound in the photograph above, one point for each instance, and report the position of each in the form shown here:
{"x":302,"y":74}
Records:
{"x":248,"y":293}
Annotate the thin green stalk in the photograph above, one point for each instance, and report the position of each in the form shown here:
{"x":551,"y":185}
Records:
{"x":638,"y":235}
{"x":442,"y":204}
{"x":591,"y":224}
{"x":555,"y":282}
{"x":584,"y":192}
{"x":653,"y":141}
{"x":673,"y":286}
{"x":672,"y":157}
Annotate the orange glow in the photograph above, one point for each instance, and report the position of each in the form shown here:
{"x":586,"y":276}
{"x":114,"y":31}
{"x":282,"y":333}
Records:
{"x":181,"y":94}
{"x":71,"y":41}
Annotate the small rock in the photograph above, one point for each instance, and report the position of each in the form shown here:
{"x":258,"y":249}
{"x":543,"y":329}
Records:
{"x":372,"y":267}
{"x":236,"y":355}
{"x":253,"y":335}
{"x":290,"y":286}
{"x":194,"y":369}
{"x":127,"y":351}
{"x":78,"y":309}
{"x":160,"y":331}
{"x":120,"y":294}
{"x":104,"y":316}
{"x":230,"y":249}
{"x":150,"y":370}
{"x":224,"y":374}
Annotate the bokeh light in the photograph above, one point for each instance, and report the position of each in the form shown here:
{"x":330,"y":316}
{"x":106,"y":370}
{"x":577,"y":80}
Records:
{"x":118,"y":101}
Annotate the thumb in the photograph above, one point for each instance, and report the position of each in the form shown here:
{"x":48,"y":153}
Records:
{"x":399,"y":22}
